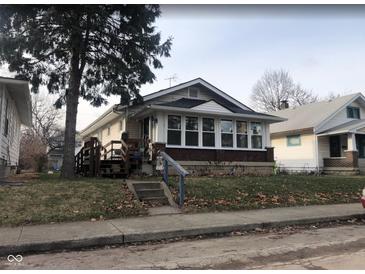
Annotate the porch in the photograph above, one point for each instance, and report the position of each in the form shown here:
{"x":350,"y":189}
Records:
{"x":342,"y":153}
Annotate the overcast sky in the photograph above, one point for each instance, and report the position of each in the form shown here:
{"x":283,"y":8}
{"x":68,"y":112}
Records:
{"x":323,"y":48}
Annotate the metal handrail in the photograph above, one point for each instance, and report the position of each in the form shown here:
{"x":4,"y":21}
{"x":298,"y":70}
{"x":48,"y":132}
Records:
{"x":179,"y":169}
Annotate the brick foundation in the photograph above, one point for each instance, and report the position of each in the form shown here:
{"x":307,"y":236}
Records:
{"x":218,"y":162}
{"x":350,"y":160}
{"x":202,"y":168}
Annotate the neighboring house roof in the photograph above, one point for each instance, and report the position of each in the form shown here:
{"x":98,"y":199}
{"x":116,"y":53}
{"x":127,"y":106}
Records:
{"x":351,"y":126}
{"x":311,"y":115}
{"x":19,"y":92}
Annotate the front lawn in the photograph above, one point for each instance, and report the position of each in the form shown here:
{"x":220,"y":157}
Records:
{"x":233,"y":193}
{"x":48,"y":199}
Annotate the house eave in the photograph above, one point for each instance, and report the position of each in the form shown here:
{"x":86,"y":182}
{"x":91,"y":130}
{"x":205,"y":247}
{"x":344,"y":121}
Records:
{"x":271,"y":119}
{"x":19,"y":91}
{"x":291,"y":132}
{"x":106,"y":117}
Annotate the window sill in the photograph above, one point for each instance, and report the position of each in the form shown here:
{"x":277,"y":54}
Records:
{"x":216,"y":148}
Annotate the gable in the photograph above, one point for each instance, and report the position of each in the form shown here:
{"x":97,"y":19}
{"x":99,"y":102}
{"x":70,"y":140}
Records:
{"x":212,"y":106}
{"x":319,"y":116}
{"x":206,"y":92}
{"x":341,"y":116}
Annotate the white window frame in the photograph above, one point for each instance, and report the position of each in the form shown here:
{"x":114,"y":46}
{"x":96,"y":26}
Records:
{"x":217,"y":133}
{"x":262,"y":134}
{"x":214,"y":132}
{"x":231,"y":133}
{"x":182,"y":131}
{"x":247,"y":131}
{"x":188,"y":130}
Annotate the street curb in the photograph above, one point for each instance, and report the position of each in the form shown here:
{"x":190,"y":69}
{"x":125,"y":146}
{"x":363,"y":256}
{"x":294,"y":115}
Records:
{"x":130,"y":238}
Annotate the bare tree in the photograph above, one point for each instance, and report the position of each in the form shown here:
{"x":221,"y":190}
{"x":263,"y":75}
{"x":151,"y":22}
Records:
{"x":276,"y":86}
{"x":300,"y":96}
{"x":46,"y":121}
{"x":43,"y":136}
{"x":331,"y":96}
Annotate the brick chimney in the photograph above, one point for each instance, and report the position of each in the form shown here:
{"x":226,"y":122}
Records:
{"x":284,"y":104}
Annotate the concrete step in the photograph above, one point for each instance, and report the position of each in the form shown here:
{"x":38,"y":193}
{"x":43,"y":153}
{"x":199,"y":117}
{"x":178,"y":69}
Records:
{"x":161,"y":200}
{"x":144,"y":193}
{"x":146,"y":185}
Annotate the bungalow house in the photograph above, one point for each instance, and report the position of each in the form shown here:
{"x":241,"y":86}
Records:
{"x":203,"y":128}
{"x":15,"y":110}
{"x":327,"y":136}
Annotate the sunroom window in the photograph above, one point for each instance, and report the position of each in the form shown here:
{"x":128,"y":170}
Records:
{"x":256,"y":135}
{"x":191,"y":131}
{"x":208,"y":132}
{"x":241,"y":129}
{"x":174,"y":130}
{"x":227,"y":133}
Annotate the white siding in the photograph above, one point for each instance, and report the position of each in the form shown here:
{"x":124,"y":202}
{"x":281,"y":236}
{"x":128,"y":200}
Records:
{"x":323,"y":149}
{"x":212,"y":106}
{"x":9,"y":144}
{"x":341,"y":117}
{"x":133,"y":129}
{"x":117,"y":126}
{"x":203,"y":94}
{"x":295,"y":158}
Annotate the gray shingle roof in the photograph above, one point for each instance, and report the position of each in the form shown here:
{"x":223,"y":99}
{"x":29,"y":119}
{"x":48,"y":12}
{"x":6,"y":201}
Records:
{"x":346,"y":127}
{"x":308,"y":116}
{"x":190,"y":103}
{"x":184,"y":103}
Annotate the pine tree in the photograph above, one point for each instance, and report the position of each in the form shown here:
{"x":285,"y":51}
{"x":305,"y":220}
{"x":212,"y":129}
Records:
{"x":82,"y":51}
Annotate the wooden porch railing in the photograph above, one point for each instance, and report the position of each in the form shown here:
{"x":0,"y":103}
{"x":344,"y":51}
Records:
{"x":115,"y":150}
{"x":182,"y":173}
{"x":88,"y":159}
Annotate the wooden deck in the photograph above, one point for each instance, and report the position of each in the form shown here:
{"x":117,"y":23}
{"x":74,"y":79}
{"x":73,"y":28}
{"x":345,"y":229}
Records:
{"x":115,"y":159}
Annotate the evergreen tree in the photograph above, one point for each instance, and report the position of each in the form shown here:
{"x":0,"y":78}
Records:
{"x":87,"y":51}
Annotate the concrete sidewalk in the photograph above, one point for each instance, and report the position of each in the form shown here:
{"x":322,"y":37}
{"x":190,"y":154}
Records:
{"x":74,"y":235}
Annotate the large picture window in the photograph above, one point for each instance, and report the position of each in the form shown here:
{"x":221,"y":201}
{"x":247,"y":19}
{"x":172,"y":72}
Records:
{"x":241,"y":134}
{"x":227,"y":133}
{"x":191,"y":131}
{"x":174,"y":130}
{"x":208,"y":132}
{"x":256,"y":135}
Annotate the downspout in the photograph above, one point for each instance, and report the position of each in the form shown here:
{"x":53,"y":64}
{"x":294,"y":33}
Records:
{"x":316,"y":150}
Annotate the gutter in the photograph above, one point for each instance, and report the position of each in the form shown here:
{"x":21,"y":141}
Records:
{"x":239,"y":115}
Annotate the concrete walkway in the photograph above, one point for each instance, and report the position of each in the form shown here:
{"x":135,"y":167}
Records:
{"x":74,"y":235}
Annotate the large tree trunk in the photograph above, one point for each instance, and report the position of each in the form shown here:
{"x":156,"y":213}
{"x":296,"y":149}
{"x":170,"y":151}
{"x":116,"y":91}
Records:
{"x":72,"y":101}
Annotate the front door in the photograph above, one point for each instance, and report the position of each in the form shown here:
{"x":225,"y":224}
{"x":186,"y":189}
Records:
{"x":146,"y":127}
{"x":360,"y":143}
{"x":335,"y":146}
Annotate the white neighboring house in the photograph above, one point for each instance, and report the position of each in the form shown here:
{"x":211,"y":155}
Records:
{"x":327,"y":136}
{"x":15,"y":110}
